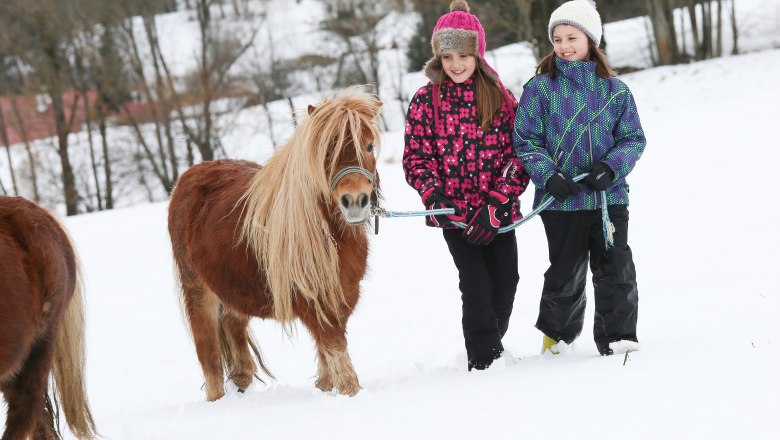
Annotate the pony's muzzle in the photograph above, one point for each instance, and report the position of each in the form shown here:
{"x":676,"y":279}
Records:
{"x":355,"y":207}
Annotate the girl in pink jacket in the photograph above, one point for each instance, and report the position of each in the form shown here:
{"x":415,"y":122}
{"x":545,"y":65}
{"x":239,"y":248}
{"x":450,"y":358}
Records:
{"x":458,"y":154}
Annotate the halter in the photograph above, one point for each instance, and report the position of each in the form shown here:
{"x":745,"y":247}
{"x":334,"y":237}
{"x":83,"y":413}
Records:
{"x":349,"y":170}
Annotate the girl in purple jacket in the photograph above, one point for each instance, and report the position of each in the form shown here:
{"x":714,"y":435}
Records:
{"x":458,"y":154}
{"x":575,"y":117}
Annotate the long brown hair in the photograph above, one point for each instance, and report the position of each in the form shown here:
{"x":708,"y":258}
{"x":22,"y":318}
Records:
{"x":489,"y":98}
{"x":547,"y":65}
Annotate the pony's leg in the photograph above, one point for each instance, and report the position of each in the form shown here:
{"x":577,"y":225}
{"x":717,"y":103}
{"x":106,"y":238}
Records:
{"x":242,"y":367}
{"x":26,"y":395}
{"x":202,"y":307}
{"x":335,"y":366}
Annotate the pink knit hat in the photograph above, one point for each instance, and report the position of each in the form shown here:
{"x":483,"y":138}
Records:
{"x":457,"y":31}
{"x":454,"y":31}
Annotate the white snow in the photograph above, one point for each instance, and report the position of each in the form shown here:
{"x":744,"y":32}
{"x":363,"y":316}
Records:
{"x":706,"y":247}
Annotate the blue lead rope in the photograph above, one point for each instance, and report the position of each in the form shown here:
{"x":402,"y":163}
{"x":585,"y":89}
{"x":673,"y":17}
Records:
{"x":607,"y":227}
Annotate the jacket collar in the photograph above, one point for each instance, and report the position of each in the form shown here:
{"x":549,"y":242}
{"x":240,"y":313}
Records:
{"x":577,"y":71}
{"x":447,"y":84}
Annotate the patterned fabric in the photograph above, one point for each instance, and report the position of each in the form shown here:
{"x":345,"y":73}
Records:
{"x":573,"y":121}
{"x":455,"y":156}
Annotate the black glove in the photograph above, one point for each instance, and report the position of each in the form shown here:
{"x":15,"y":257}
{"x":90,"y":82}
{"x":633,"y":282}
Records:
{"x":500,"y":202}
{"x":562,"y":186}
{"x":435,"y":199}
{"x":482,"y":228}
{"x":600,"y":176}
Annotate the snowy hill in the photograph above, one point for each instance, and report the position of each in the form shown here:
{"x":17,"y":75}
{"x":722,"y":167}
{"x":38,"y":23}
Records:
{"x":706,"y":247}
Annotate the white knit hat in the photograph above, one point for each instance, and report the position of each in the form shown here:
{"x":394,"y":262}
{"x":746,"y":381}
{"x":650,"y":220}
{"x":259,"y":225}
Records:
{"x":579,"y":13}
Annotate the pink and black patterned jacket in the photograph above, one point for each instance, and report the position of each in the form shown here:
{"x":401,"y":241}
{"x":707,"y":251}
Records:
{"x":456,"y":156}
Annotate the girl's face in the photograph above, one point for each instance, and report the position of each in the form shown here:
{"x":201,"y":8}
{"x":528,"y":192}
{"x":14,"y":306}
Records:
{"x":458,"y":67}
{"x":570,"y":43}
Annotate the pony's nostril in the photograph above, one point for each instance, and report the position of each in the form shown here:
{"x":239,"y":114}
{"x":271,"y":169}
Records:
{"x":363,"y":200}
{"x":346,"y":200}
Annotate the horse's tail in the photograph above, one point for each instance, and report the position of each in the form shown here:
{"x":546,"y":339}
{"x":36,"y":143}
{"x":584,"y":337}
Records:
{"x":227,"y":349}
{"x":69,"y":365}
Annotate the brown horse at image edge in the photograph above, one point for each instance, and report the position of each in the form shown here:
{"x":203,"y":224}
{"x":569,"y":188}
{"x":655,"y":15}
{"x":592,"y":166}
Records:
{"x":41,"y":325}
{"x":281,"y":241}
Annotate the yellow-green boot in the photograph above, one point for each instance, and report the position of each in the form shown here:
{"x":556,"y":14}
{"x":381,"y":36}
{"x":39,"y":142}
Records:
{"x":549,"y":344}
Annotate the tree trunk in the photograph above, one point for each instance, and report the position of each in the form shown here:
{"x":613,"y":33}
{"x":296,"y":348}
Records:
{"x":30,"y":156}
{"x":719,"y":31}
{"x":661,"y":15}
{"x":270,"y":120}
{"x":63,"y":130}
{"x":698,"y":53}
{"x":706,"y":18}
{"x":683,"y":43}
{"x":106,"y":158}
{"x":734,"y":29}
{"x":4,"y":137}
{"x":92,"y":161}
{"x":11,"y":170}
{"x":292,"y":111}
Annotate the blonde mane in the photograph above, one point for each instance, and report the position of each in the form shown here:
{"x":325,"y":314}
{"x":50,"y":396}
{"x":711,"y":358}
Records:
{"x":286,"y":204}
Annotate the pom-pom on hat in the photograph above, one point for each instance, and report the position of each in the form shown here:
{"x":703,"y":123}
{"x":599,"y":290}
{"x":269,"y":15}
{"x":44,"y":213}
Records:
{"x":457,"y":31}
{"x":579,"y":13}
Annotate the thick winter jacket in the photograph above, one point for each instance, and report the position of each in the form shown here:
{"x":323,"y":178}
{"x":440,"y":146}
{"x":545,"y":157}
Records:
{"x":575,"y":120}
{"x":455,"y":156}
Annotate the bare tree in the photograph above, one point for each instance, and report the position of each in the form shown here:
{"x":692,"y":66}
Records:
{"x":219,"y":51}
{"x":155,"y":95}
{"x":354,"y":24}
{"x":270,"y":82}
{"x":42,"y":31}
{"x":734,"y":29}
{"x":662,"y":18}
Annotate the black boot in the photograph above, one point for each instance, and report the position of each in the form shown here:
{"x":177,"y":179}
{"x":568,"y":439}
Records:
{"x":482,"y":360}
{"x":604,"y":349}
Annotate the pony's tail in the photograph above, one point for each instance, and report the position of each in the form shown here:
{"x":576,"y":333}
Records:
{"x":69,"y":366}
{"x":227,"y":349}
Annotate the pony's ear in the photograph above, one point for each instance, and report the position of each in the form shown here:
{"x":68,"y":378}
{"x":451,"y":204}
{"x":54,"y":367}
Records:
{"x":311,"y":109}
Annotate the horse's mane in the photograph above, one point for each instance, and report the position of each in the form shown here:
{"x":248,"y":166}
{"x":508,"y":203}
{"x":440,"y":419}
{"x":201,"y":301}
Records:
{"x":286,"y":203}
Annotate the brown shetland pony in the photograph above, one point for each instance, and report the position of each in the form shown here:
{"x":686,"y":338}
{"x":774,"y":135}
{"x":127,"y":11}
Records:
{"x":282,"y":241}
{"x":41,"y":325}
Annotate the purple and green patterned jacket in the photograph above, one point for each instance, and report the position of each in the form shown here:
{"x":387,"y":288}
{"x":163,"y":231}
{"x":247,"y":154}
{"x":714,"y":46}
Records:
{"x":573,"y":121}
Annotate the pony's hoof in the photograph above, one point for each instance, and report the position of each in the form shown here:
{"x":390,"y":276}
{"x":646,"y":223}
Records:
{"x":242,"y":381}
{"x":211,"y":397}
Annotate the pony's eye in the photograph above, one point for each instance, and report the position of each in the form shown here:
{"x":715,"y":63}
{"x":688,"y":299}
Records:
{"x":370,"y":148}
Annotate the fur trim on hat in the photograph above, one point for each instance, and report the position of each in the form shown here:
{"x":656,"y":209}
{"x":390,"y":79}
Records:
{"x":455,"y":40}
{"x":581,"y":14}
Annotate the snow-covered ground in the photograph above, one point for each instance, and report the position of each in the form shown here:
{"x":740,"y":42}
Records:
{"x":704,"y":235}
{"x":703,"y":230}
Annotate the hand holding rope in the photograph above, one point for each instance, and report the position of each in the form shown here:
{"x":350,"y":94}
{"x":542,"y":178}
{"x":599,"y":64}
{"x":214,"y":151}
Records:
{"x":607,"y":227}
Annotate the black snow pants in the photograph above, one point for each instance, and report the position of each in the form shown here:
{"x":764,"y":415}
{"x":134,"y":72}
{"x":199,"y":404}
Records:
{"x":571,"y":236}
{"x":488,"y":282}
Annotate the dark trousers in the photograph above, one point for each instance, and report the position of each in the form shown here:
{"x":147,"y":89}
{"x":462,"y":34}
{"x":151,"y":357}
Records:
{"x":571,"y":237}
{"x":488,"y":282}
